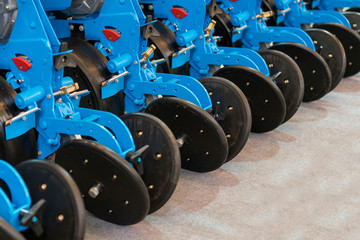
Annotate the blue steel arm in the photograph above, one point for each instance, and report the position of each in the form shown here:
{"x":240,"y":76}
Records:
{"x":20,"y":197}
{"x":299,"y":15}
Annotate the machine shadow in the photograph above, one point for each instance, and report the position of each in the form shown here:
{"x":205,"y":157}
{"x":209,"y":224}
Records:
{"x":349,"y":85}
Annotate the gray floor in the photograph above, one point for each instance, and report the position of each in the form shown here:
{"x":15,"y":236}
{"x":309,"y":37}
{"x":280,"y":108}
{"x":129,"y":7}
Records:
{"x":300,"y":181}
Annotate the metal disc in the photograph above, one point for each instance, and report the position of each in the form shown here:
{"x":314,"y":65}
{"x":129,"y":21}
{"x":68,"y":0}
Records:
{"x":203,"y":144}
{"x":7,"y":232}
{"x":162,"y":162}
{"x":354,"y":19}
{"x":122,"y":195}
{"x":316,"y":72}
{"x":224,"y":28}
{"x":354,"y":9}
{"x":23,"y":147}
{"x":64,"y":213}
{"x":268,"y":107}
{"x":90,"y":72}
{"x":290,"y":81}
{"x":351,"y":43}
{"x":234,"y":112}
{"x":331,"y":49}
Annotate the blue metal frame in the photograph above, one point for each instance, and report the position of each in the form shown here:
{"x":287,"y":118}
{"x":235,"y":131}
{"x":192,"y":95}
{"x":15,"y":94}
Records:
{"x":34,"y":43}
{"x":136,"y":76}
{"x":202,"y":48}
{"x":333,"y":4}
{"x":20,"y":197}
{"x":297,"y":14}
{"x":251,"y":28}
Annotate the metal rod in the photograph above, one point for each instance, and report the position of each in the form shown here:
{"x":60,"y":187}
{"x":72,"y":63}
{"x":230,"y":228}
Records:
{"x":238,"y":30}
{"x":158,"y":61}
{"x":21,"y":115}
{"x":114,"y":78}
{"x":183,"y":50}
{"x":74,"y":94}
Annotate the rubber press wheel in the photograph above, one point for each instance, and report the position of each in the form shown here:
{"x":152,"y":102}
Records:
{"x":351,"y":43}
{"x":331,"y":49}
{"x":354,"y":19}
{"x":63,"y":215}
{"x":162,"y":162}
{"x":316,"y":72}
{"x":8,"y":232}
{"x":23,"y":147}
{"x":160,"y":176}
{"x":268,"y":106}
{"x":111,"y":188}
{"x":290,"y":81}
{"x":233,"y":115}
{"x":202,"y":142}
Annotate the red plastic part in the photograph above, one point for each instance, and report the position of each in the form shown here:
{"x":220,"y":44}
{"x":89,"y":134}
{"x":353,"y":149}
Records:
{"x":233,"y":0}
{"x":111,"y":35}
{"x":179,"y":13}
{"x":22,"y":63}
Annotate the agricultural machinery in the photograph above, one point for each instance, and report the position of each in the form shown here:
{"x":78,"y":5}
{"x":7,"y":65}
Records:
{"x":189,"y":48}
{"x":349,"y":8}
{"x":210,"y":119}
{"x":119,"y":182}
{"x":242,"y":23}
{"x":295,"y":14}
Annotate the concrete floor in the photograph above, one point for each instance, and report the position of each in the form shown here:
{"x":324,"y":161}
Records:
{"x":300,"y":181}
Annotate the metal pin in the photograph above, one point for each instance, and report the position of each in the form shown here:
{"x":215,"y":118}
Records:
{"x":60,"y":218}
{"x":43,"y":187}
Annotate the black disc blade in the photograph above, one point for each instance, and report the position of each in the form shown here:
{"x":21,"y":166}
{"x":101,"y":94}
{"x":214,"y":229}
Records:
{"x":7,"y":232}
{"x":17,"y":149}
{"x":204,"y":145}
{"x":316,"y":72}
{"x":331,"y":49}
{"x":224,"y":28}
{"x":123,"y":197}
{"x":290,"y":81}
{"x":354,"y":19}
{"x":234,"y":112}
{"x":64,"y":213}
{"x":351,"y":43}
{"x":162,"y":162}
{"x":268,"y":107}
{"x":89,"y":73}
